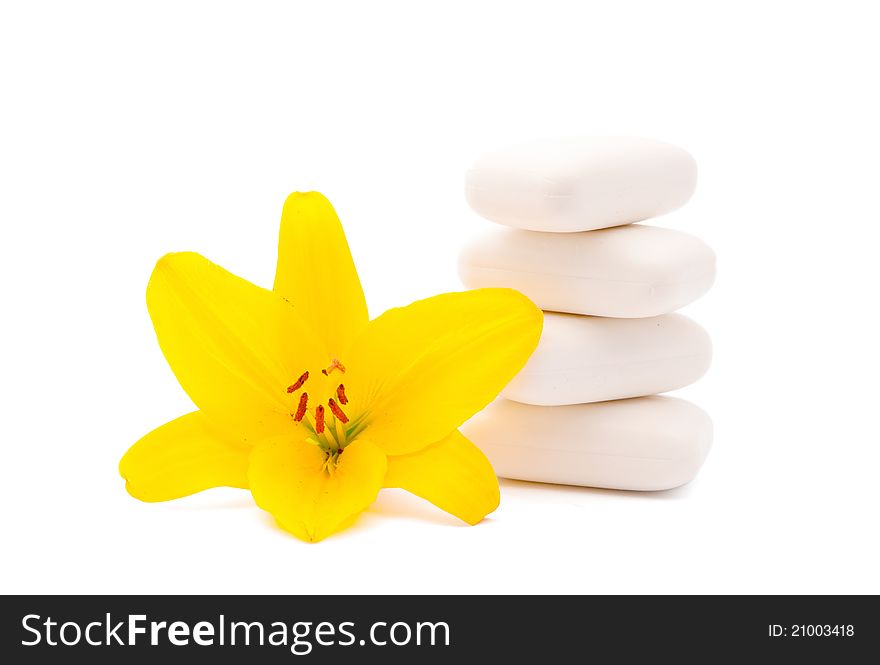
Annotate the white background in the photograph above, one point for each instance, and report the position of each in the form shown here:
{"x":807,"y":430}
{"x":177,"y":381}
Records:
{"x":127,"y":131}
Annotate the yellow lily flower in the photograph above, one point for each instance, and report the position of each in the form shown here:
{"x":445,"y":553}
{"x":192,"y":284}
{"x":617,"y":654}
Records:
{"x":311,"y":405}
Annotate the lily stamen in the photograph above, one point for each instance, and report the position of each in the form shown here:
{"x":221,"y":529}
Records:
{"x":319,"y":419}
{"x":340,"y":393}
{"x":331,"y":460}
{"x":298,"y":383}
{"x":301,"y":409}
{"x":333,"y":442}
{"x":334,"y":407}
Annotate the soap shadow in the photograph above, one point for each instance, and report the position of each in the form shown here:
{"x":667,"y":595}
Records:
{"x":674,"y":494}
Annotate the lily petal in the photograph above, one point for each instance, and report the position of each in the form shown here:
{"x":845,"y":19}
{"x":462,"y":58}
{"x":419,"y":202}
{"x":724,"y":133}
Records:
{"x":183,"y":457}
{"x":233,"y":346}
{"x":453,"y":474}
{"x":315,"y":270}
{"x":288,"y":479}
{"x":418,"y":372}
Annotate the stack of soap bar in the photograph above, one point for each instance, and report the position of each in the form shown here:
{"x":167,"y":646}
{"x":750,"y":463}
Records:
{"x":578,"y":413}
{"x":645,"y":443}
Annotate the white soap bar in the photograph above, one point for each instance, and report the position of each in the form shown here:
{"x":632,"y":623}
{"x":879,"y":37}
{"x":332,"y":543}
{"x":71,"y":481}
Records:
{"x":645,"y":443}
{"x":590,"y":359}
{"x":628,"y":271}
{"x":579,"y":184}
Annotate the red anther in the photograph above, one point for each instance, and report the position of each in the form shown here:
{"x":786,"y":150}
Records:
{"x":319,"y":419}
{"x":299,"y":383}
{"x":301,"y":409}
{"x":334,"y":407}
{"x":324,"y":372}
{"x":340,"y":393}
